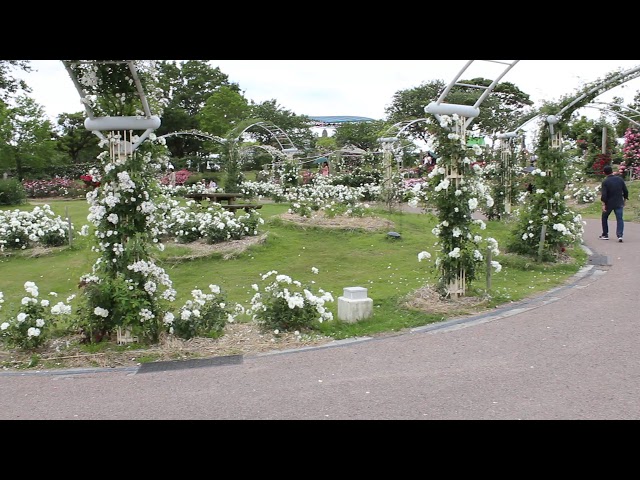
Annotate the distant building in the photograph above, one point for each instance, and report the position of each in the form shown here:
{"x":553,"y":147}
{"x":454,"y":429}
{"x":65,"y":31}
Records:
{"x":326,"y":125}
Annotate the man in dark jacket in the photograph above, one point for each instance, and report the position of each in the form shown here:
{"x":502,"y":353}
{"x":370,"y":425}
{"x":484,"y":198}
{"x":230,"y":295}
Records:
{"x":614,"y":194}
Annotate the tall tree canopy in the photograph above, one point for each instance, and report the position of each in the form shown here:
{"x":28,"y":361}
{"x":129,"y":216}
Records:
{"x":9,"y":85}
{"x":32,"y":143}
{"x":74,"y":140}
{"x":222,"y":110}
{"x":363,"y":135}
{"x":187,"y":85}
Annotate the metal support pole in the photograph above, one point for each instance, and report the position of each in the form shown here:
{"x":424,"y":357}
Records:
{"x":66,"y":214}
{"x":489,"y":269}
{"x":543,"y":235}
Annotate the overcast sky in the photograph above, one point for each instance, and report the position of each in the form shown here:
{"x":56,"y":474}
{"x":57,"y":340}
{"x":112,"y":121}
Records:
{"x":359,"y":87}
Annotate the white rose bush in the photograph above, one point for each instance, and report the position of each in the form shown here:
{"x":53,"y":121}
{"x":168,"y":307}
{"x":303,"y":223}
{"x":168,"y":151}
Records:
{"x":282,"y":304}
{"x":34,"y":321}
{"x":460,"y":247}
{"x":546,"y":225}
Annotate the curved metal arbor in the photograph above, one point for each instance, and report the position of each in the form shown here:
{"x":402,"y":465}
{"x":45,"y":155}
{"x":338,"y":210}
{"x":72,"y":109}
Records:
{"x":598,"y":89}
{"x":146,"y":122}
{"x":400,"y":127}
{"x":392,"y":134}
{"x":286,"y":146}
{"x":440,"y":107}
{"x":390,"y":149}
{"x":608,"y":110}
{"x":613,"y":105}
{"x":280,"y":136}
{"x":195,"y":133}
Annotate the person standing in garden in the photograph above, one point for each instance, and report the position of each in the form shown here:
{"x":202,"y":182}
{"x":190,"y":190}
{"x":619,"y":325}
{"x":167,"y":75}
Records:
{"x":613,"y":195}
{"x":324,"y":170}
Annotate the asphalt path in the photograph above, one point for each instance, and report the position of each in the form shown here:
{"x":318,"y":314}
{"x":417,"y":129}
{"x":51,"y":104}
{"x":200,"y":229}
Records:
{"x":571,"y":353}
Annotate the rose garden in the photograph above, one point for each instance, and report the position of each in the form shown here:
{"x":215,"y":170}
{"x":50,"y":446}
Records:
{"x":473,"y":230}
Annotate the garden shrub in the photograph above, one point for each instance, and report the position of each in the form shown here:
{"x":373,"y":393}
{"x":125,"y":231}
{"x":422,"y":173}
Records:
{"x":204,"y":178}
{"x":12,"y":192}
{"x":286,"y":305}
{"x":205,"y":315}
{"x":56,"y":187}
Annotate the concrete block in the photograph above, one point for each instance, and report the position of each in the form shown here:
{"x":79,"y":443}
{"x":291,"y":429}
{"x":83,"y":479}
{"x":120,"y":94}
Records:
{"x":354,"y":305}
{"x":355,"y":293}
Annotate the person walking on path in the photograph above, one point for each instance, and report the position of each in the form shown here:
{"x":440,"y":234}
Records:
{"x":613,"y":195}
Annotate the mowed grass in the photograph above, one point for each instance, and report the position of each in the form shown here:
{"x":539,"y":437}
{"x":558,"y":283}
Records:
{"x":387,"y":267}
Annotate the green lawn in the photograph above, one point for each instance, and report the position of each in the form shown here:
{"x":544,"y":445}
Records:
{"x":387,"y":267}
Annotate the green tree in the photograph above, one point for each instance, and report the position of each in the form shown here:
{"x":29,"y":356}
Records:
{"x":621,"y":114}
{"x":326,"y":144}
{"x":363,"y":135}
{"x":409,"y":105}
{"x":580,"y":129}
{"x":199,"y":81}
{"x":32,"y":143}
{"x":5,"y":137}
{"x":187,"y":85}
{"x":222,"y":110}
{"x":75,"y":141}
{"x":9,"y":85}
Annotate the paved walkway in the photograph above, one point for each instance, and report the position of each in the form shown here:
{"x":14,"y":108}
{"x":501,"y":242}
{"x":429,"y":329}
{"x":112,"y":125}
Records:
{"x":571,"y":353}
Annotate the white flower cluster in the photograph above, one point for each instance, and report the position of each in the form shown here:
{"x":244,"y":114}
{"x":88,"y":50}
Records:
{"x":293,"y":292}
{"x":20,"y":228}
{"x":27,"y":327}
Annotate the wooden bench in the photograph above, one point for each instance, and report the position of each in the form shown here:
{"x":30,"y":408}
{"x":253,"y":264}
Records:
{"x":239,"y":206}
{"x":215,"y":197}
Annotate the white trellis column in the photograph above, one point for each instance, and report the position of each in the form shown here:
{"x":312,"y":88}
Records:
{"x":506,"y":156}
{"x":505,"y":181}
{"x":387,"y":156}
{"x":457,"y":287}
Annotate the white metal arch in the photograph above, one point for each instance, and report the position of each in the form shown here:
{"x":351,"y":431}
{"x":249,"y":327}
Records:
{"x":608,"y":110}
{"x":601,"y":87}
{"x":195,"y":133}
{"x":514,"y":132}
{"x":285,"y":143}
{"x":611,"y":83}
{"x":612,"y":105}
{"x":389,"y":138}
{"x":440,"y":107}
{"x":146,"y":122}
{"x":400,"y":127}
{"x":274,"y":152}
